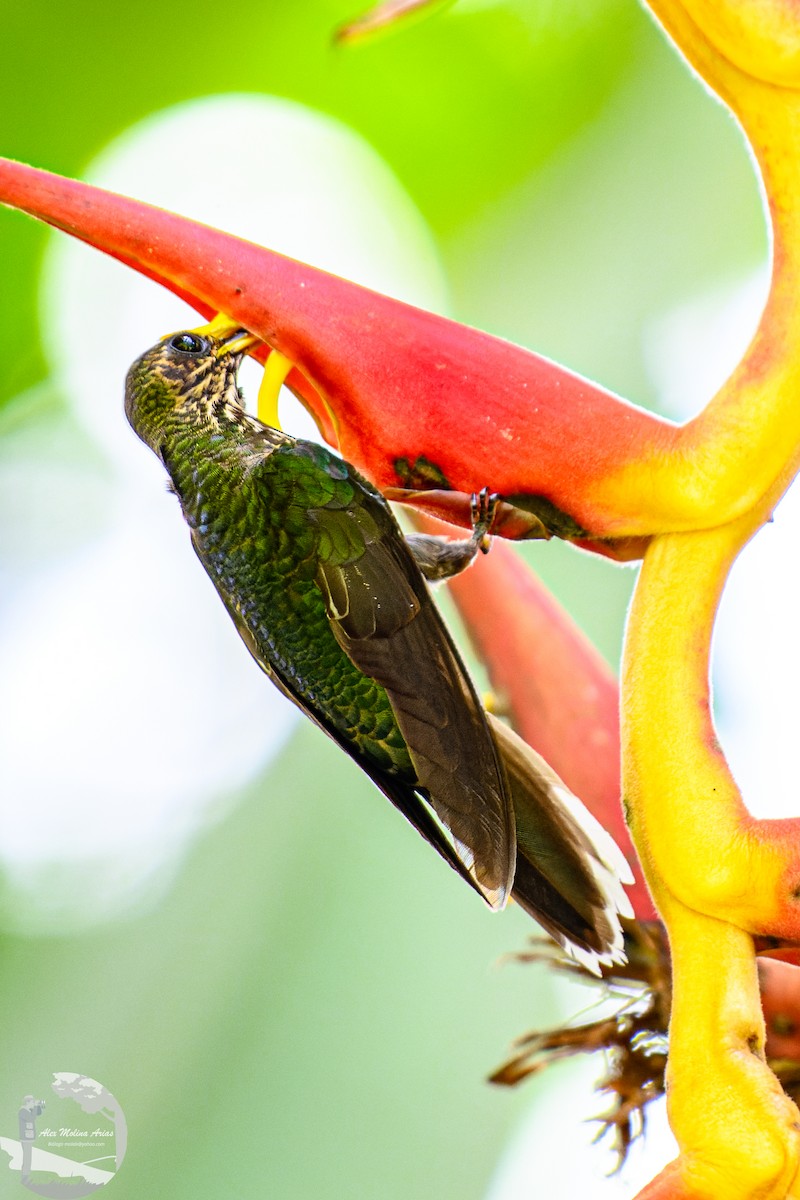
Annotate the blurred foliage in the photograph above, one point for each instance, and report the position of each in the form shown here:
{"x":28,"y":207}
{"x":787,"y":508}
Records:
{"x":462,"y":106}
{"x":311,"y":1009}
{"x":250,"y":1027}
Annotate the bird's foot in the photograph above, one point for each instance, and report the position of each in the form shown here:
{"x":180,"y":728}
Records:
{"x":483,"y":509}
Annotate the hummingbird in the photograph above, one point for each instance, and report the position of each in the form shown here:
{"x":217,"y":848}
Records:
{"x":332,"y":602}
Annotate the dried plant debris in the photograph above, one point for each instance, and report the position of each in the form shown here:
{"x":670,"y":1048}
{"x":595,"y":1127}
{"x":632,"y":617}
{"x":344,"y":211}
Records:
{"x":633,"y":1037}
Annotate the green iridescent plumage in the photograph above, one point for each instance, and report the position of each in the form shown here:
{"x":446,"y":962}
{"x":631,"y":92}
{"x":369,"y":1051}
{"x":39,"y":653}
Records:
{"x":327,"y":595}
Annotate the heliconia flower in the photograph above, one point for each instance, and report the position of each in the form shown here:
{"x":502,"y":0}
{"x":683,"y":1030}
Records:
{"x":361,"y":341}
{"x":718,"y":876}
{"x":403,"y":393}
{"x":432,"y":411}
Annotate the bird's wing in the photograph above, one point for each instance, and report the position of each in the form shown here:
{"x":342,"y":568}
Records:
{"x":384,"y":619}
{"x":403,"y":795}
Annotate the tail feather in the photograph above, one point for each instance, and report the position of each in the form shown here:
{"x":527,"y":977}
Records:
{"x":569,"y":871}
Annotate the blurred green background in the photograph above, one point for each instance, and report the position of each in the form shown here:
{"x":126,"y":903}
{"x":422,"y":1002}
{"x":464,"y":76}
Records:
{"x":311,"y":1006}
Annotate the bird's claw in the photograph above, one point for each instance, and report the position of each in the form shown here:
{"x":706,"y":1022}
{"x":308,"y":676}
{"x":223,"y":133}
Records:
{"x":483,"y":509}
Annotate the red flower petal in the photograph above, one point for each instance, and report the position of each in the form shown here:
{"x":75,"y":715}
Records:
{"x":398,"y":389}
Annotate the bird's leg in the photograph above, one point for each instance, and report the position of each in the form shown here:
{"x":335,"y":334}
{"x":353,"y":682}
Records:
{"x":440,"y":558}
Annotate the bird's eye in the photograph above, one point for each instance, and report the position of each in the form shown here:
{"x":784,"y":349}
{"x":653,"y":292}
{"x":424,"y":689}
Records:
{"x":188,"y":343}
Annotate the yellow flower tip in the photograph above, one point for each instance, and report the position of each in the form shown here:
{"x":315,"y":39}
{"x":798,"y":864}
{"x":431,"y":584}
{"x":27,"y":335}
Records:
{"x":276,"y":368}
{"x":221,"y":327}
{"x":760,"y":37}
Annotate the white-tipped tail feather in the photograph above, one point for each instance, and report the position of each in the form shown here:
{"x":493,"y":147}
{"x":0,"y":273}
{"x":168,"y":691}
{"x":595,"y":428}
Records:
{"x":570,"y":871}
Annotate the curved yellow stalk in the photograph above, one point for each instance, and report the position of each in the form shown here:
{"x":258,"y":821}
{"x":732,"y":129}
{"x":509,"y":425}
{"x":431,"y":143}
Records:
{"x":737,"y":1129}
{"x":746,"y":442}
{"x":718,"y":875}
{"x":715,"y":873}
{"x":685,"y":811}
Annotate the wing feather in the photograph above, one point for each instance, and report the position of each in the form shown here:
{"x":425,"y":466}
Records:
{"x":386,"y":622}
{"x":404,"y":796}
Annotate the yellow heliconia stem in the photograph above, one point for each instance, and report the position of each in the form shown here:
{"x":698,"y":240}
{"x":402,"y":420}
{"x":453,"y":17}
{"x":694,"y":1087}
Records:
{"x":715,"y":873}
{"x":747,"y":440}
{"x":685,"y":810}
{"x":736,"y":1127}
{"x":719,"y":876}
{"x":276,"y":369}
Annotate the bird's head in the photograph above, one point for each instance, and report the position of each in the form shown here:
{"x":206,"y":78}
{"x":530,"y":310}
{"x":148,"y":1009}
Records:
{"x":187,"y":378}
